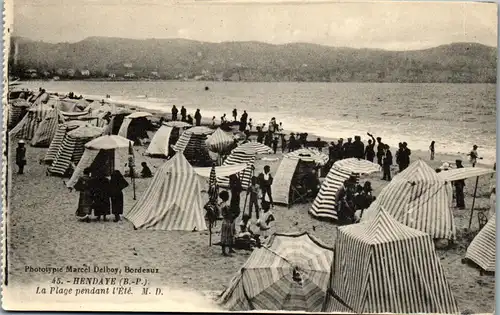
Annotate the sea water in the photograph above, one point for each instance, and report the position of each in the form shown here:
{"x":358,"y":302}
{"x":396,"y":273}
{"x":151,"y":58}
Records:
{"x":456,"y":116}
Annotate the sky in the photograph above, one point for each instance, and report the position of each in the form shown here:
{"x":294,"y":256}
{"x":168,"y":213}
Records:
{"x":384,"y":25}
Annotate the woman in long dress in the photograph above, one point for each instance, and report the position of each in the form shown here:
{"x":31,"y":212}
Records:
{"x":83,"y":185}
{"x":228,"y":226}
{"x":100,"y":193}
{"x":117,"y":184}
{"x":236,"y":189}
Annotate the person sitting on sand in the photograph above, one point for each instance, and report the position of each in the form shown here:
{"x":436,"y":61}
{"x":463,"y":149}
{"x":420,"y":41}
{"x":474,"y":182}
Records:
{"x":189,"y":120}
{"x":146,"y":171}
{"x":83,"y":185}
{"x":344,"y":199}
{"x":245,"y":238}
{"x":228,"y":228}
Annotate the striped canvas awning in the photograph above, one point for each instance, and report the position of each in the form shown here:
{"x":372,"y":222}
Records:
{"x":238,"y":158}
{"x":220,"y":141}
{"x":418,"y":198}
{"x":371,"y":268}
{"x":253,"y":148}
{"x":172,"y":201}
{"x":308,"y":155}
{"x":358,"y":166}
{"x":482,"y":248}
{"x":291,"y":273}
{"x":220,"y":171}
{"x":108,"y":142}
{"x":465,"y":172}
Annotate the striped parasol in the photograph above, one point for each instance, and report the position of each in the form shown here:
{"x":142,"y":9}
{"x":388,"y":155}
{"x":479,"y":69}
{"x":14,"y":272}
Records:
{"x":291,"y":273}
{"x":358,"y":166}
{"x":253,"y":148}
{"x":177,"y":124}
{"x":309,"y":155}
{"x":464,"y":173}
{"x":213,"y":189}
{"x":220,"y":142}
{"x":86,"y":132}
{"x":482,"y":248}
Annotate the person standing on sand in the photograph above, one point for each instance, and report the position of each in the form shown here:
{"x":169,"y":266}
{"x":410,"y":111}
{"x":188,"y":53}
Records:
{"x":85,"y":200}
{"x":265,"y":183}
{"x":473,"y":156}
{"x":21,"y":156}
{"x":459,"y":188}
{"x":100,"y":194}
{"x":236,"y":189}
{"x":228,"y":227}
{"x":260,"y":135}
{"x":235,"y":114}
{"x":370,"y":149}
{"x":250,"y":124}
{"x":117,"y":184}
{"x":399,"y":156}
{"x":347,"y":149}
{"x":283,"y":143}
{"x":243,"y":121}
{"x":291,"y":142}
{"x":275,"y":144}
{"x":174,"y":113}
{"x":183,"y":113}
{"x":213,"y":121}
{"x":380,"y":151}
{"x":359,"y":148}
{"x":197,"y":117}
{"x":254,"y":192}
{"x":386,"y":163}
{"x":432,"y":149}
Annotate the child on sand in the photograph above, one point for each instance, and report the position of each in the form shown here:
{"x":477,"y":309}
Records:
{"x":246,"y":238}
{"x":264,"y":223}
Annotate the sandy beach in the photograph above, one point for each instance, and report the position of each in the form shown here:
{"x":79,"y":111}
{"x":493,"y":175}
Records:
{"x":43,"y":231}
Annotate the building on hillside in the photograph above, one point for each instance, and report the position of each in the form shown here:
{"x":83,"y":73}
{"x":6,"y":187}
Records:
{"x":112,"y":75}
{"x":61,"y":71}
{"x":129,"y":75}
{"x":128,"y":65}
{"x":155,"y":74}
{"x":32,"y":73}
{"x":71,"y":72}
{"x":85,"y":73}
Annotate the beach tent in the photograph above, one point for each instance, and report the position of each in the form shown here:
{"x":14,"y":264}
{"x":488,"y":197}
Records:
{"x":135,"y":126}
{"x":289,"y":174}
{"x":164,"y":139}
{"x":172,"y":201}
{"x":482,"y":248}
{"x":26,"y":128}
{"x":47,"y":129}
{"x":17,"y":110}
{"x":383,"y":266}
{"x":419,"y":198}
{"x":237,"y":158}
{"x":290,"y":273}
{"x":192,"y":144}
{"x":104,"y":155}
{"x":308,"y":155}
{"x":72,"y":148}
{"x":58,"y":139}
{"x":220,"y":142}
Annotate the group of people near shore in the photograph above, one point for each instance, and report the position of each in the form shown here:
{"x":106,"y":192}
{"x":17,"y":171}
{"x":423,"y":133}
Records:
{"x":352,"y":197}
{"x":185,"y":117}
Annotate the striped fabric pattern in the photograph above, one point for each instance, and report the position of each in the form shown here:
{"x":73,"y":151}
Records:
{"x":58,"y":139}
{"x":193,"y":146}
{"x":482,"y":248}
{"x":246,"y":175}
{"x":47,"y":129}
{"x":220,"y":141}
{"x":160,"y":143}
{"x":253,"y":148}
{"x":26,"y":128}
{"x":359,"y":166}
{"x":382,"y":266}
{"x":464,"y":173}
{"x":172,"y":201}
{"x":283,"y":180}
{"x":420,"y":199}
{"x":267,"y":282}
{"x":86,"y":161}
{"x":308,"y":155}
{"x":324,"y":205}
{"x":16,"y":109}
{"x":70,"y":152}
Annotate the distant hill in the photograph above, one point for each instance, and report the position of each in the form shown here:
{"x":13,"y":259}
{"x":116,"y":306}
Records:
{"x":256,"y":61}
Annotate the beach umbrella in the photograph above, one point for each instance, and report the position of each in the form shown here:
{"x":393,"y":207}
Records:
{"x":220,"y":142}
{"x":86,"y":132}
{"x":290,"y":273}
{"x":108,"y":143}
{"x":464,"y":173}
{"x":177,"y":124}
{"x":139,"y":115}
{"x":358,"y":166}
{"x":200,"y":130}
{"x":253,"y":148}
{"x":309,"y":155}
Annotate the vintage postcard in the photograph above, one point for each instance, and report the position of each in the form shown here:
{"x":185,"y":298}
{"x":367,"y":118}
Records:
{"x":239,"y":156}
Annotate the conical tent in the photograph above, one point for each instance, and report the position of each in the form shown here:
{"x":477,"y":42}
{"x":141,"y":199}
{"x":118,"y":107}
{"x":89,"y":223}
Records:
{"x":383,"y":266}
{"x":290,"y":173}
{"x":172,"y":201}
{"x":47,"y":129}
{"x":482,"y":248}
{"x":58,"y":139}
{"x":291,"y":273}
{"x":308,"y":155}
{"x":160,"y":145}
{"x":26,"y":128}
{"x":419,"y":198}
{"x":17,"y":110}
{"x":220,"y":141}
{"x":192,"y":145}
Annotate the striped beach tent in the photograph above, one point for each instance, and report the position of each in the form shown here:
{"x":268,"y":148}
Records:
{"x":26,"y":128}
{"x":253,"y":148}
{"x":220,"y":141}
{"x":72,"y":148}
{"x":419,"y":198}
{"x":192,"y":143}
{"x":58,"y":139}
{"x":290,"y":273}
{"x":130,"y":123}
{"x":47,"y":129}
{"x":324,"y":205}
{"x":383,"y":266}
{"x":482,"y":248}
{"x":17,"y":110}
{"x":172,"y":201}
{"x":357,"y":166}
{"x":308,"y":155}
{"x":245,"y":176}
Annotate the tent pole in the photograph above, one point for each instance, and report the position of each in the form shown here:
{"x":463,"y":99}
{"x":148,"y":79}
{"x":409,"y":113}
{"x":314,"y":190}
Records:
{"x":132,"y":175}
{"x":209,"y":233}
{"x":473,"y":202}
{"x":246,"y":195}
